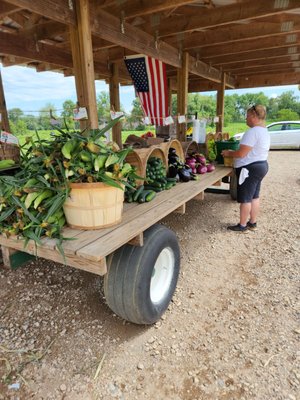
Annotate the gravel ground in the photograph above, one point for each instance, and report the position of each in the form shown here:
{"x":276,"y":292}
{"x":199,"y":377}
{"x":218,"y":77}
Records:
{"x":231,"y":332}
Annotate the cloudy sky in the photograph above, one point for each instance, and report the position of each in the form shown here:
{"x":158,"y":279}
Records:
{"x":29,"y":90}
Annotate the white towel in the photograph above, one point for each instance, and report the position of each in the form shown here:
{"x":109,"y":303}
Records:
{"x":243,"y":175}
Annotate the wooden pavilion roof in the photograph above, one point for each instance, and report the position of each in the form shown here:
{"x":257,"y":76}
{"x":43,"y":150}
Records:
{"x":256,"y":43}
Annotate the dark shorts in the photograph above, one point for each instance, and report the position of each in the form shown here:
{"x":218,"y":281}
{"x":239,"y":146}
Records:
{"x":250,"y":188}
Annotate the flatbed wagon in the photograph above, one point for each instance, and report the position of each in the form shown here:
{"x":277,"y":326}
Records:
{"x":139,"y":258}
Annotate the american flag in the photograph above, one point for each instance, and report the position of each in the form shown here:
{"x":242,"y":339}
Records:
{"x":150,"y":82}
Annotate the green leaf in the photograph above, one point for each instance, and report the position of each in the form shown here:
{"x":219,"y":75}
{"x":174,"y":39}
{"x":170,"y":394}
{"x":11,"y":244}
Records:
{"x":111,"y":182}
{"x":31,"y":235}
{"x":26,"y":212}
{"x":106,"y":128}
{"x":4,"y":215}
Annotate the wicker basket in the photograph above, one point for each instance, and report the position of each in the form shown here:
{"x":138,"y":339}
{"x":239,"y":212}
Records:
{"x":9,"y":152}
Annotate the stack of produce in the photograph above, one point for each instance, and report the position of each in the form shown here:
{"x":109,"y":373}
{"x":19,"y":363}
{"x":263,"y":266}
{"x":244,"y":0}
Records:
{"x":185,"y":171}
{"x":211,"y":149}
{"x":31,"y":202}
{"x":156,"y":181}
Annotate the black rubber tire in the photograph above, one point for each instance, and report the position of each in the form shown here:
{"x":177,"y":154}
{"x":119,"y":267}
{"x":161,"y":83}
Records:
{"x":128,"y":279}
{"x":233,"y":186}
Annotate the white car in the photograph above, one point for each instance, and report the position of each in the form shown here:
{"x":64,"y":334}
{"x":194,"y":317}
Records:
{"x":283,"y":134}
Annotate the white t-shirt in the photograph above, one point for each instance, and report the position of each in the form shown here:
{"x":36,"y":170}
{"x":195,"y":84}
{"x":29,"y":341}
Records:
{"x":258,"y":138}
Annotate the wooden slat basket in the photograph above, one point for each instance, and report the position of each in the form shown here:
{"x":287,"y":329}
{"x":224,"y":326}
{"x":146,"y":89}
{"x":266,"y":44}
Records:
{"x":93,"y":206}
{"x":9,"y":151}
{"x":175,"y":144}
{"x":190,"y":147}
{"x":139,"y":158}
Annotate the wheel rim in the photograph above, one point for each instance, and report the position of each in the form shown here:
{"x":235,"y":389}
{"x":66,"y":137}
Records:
{"x":162,"y":275}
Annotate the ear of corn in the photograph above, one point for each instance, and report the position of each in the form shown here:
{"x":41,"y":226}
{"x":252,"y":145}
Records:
{"x":6,"y":163}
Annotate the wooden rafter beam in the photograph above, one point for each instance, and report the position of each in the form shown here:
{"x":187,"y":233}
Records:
{"x":132,"y":8}
{"x":7,"y":9}
{"x":219,"y":16}
{"x":276,"y":79}
{"x":60,"y":11}
{"x":253,"y":55}
{"x":236,"y":34}
{"x":257,"y":69}
{"x":250,"y":45}
{"x":242,"y":65}
{"x":31,"y":50}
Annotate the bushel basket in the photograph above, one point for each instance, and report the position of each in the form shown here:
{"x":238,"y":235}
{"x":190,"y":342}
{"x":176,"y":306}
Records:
{"x":9,"y":152}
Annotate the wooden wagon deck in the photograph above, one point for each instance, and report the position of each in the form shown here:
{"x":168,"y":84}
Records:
{"x":89,"y":248}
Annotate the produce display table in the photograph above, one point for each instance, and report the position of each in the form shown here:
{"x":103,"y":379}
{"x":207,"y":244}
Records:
{"x":89,"y":248}
{"x":142,"y":269}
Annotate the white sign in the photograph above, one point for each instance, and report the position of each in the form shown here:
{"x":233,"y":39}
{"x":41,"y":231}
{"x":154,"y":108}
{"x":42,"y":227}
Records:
{"x":116,"y":114}
{"x":146,"y":121}
{"x":80,"y":113}
{"x":181,"y":119}
{"x":169,"y":120}
{"x":216,"y":119}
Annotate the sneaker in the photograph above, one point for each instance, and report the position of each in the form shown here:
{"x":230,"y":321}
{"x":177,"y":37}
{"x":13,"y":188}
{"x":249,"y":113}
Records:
{"x":251,"y":226}
{"x":237,"y":228}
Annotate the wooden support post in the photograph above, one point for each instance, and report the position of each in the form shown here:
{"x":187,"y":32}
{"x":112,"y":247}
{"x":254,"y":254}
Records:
{"x":4,"y":124}
{"x":220,"y":104}
{"x":182,"y":95}
{"x":180,"y":209}
{"x":199,"y":196}
{"x":137,"y":240}
{"x":6,"y":253}
{"x":218,"y":183}
{"x":114,"y":94}
{"x":82,"y":53}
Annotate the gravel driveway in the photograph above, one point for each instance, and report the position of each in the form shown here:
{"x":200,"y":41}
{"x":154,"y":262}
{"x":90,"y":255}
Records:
{"x":231,"y":332}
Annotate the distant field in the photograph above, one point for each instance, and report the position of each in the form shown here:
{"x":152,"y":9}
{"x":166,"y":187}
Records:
{"x":232,"y":128}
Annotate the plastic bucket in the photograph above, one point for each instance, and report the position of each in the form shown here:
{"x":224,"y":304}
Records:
{"x":225,"y":145}
{"x":93,"y":205}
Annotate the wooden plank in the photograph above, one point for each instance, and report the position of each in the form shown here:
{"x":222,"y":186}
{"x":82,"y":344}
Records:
{"x":99,"y":267}
{"x":237,"y":33}
{"x":132,"y":8}
{"x":250,"y":45}
{"x":147,"y":216}
{"x":225,"y":15}
{"x":60,"y":11}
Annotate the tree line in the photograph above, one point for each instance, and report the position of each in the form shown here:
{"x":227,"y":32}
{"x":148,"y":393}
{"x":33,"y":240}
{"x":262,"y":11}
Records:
{"x":284,"y":107}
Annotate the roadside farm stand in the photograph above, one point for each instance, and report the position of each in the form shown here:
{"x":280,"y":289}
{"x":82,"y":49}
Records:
{"x":206,"y":45}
